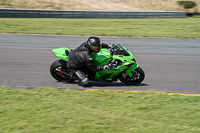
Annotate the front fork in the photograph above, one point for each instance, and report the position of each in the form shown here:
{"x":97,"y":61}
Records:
{"x":130,"y":69}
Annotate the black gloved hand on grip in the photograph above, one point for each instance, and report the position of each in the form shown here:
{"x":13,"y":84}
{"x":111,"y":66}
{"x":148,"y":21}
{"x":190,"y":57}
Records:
{"x":106,"y":67}
{"x":103,"y":67}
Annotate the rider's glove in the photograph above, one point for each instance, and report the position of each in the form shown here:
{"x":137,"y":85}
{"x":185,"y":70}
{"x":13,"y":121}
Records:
{"x":103,"y":67}
{"x":110,"y":45}
{"x":104,"y":45}
{"x":106,"y":67}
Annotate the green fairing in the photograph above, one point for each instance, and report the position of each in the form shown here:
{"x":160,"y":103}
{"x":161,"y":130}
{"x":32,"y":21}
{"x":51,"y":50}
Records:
{"x":112,"y":73}
{"x":102,"y":58}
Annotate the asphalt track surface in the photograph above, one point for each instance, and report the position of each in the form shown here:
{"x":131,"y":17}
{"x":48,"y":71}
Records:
{"x":170,"y":65}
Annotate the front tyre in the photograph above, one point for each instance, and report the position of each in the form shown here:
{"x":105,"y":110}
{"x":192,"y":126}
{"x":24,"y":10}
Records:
{"x":138,"y":77}
{"x":55,"y":68}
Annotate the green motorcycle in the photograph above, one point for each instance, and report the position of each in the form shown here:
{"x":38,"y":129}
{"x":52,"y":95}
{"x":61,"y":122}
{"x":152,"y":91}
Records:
{"x":121,"y":61}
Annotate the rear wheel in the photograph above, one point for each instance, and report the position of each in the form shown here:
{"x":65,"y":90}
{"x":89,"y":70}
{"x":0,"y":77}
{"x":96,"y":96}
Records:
{"x":138,"y":77}
{"x":56,"y":69}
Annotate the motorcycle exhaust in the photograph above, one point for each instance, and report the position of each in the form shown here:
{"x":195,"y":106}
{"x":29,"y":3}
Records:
{"x":66,"y":74}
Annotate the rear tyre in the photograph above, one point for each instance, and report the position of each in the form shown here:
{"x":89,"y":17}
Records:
{"x":137,"y":78}
{"x":55,"y":68}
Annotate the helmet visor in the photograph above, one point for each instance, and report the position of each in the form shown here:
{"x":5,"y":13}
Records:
{"x":96,"y":49}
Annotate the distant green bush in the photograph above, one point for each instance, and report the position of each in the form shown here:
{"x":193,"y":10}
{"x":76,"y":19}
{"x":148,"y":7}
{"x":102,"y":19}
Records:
{"x":187,"y":4}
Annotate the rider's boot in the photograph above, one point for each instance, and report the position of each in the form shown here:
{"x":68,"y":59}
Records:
{"x":83,"y":79}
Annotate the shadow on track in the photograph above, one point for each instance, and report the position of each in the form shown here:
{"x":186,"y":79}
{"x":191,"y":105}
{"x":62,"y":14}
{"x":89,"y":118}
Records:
{"x":105,"y":84}
{"x":112,"y":84}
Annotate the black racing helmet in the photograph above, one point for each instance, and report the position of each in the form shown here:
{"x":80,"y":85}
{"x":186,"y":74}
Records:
{"x":94,"y":44}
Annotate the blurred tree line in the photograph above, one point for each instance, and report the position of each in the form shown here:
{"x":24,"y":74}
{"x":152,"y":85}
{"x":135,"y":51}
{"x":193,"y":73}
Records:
{"x":188,"y":5}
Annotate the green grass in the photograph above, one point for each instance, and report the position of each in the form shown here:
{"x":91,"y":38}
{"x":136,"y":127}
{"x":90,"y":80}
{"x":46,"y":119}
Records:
{"x":47,"y":110}
{"x":151,"y":27}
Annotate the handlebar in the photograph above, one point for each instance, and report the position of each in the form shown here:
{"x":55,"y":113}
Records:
{"x":113,"y":49}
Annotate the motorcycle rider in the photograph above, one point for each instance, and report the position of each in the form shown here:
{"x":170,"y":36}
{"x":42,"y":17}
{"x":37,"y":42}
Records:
{"x":81,"y":58}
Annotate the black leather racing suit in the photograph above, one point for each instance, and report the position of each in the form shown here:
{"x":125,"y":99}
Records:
{"x":81,"y":58}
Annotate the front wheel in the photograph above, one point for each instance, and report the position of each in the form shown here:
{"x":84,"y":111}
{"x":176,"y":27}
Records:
{"x":138,"y":77}
{"x":56,"y":68}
